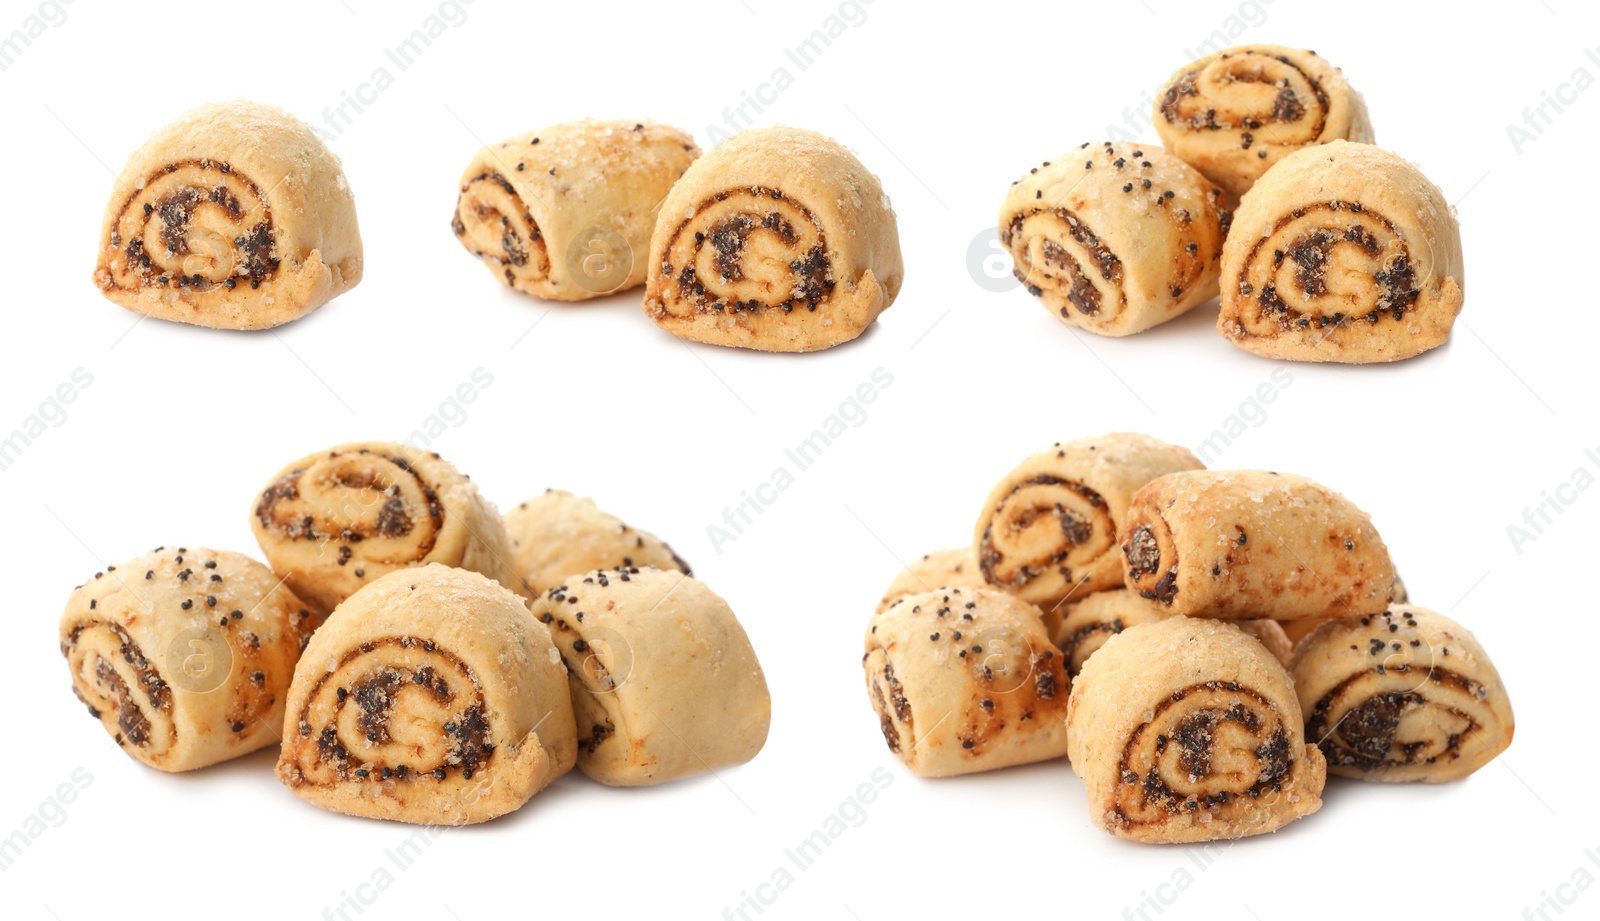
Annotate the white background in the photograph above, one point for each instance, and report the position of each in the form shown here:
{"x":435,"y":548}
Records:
{"x":181,"y":426}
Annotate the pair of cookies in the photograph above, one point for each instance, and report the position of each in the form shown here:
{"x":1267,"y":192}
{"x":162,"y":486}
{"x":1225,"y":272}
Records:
{"x":779,"y":239}
{"x":1270,"y":192}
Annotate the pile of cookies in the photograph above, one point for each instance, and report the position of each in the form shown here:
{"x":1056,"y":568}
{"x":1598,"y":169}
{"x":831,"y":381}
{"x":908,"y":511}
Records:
{"x":1205,"y":646}
{"x":415,"y":655}
{"x":237,"y":216}
{"x":1270,"y":192}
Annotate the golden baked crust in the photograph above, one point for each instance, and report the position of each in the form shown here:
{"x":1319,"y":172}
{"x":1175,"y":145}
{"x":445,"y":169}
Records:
{"x":1115,"y":238}
{"x":185,"y":655}
{"x":956,"y":567}
{"x":965,"y":680}
{"x":665,"y":683}
{"x":1245,"y":544}
{"x":557,"y":536}
{"x":565,"y":212}
{"x":430,"y":696}
{"x":1186,"y":729}
{"x":1405,"y":695}
{"x":778,"y":239}
{"x":1236,"y":113}
{"x":334,"y":521}
{"x":1048,"y":530}
{"x":1343,"y":252}
{"x":234,"y":216}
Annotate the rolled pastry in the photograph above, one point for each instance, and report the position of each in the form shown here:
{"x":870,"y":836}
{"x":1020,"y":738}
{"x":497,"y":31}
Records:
{"x":1186,"y":729}
{"x":1087,"y":624}
{"x":1343,"y":252}
{"x":1235,"y":113}
{"x":1048,"y":530}
{"x":1090,"y":622}
{"x":1247,"y":543}
{"x":185,"y":655}
{"x":953,"y":568}
{"x":235,"y":216}
{"x":665,"y":683}
{"x":334,"y":521}
{"x":1115,"y":238}
{"x":1297,"y":630}
{"x":558,"y":535}
{"x":1403,"y":695}
{"x":430,"y":696}
{"x":965,"y":680}
{"x":565,"y":213}
{"x":777,"y":240}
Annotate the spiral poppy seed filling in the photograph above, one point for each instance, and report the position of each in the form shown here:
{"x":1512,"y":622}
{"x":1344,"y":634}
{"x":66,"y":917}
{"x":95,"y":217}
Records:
{"x":1060,"y":265}
{"x":891,"y":706}
{"x":113,"y":688}
{"x":762,"y":211}
{"x":1072,"y":646}
{"x":1371,"y":734}
{"x":1307,"y":258}
{"x":1011,"y":560}
{"x":418,"y":702}
{"x":1225,"y":745}
{"x":496,"y":226}
{"x":1185,"y":104}
{"x":281,"y":509}
{"x":176,"y":229}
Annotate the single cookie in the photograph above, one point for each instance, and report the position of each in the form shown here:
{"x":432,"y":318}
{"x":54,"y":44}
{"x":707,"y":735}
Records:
{"x":664,"y":680}
{"x":565,"y":213}
{"x":1244,"y":544}
{"x":1048,"y":530}
{"x":333,"y":522}
{"x":1234,"y":114}
{"x":777,"y":240}
{"x":185,"y":655}
{"x":1115,"y":238}
{"x":965,"y":680}
{"x":235,"y":216}
{"x":1405,"y":695}
{"x":1186,"y":729}
{"x":1343,"y":252}
{"x":431,"y":696}
{"x":557,"y":536}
